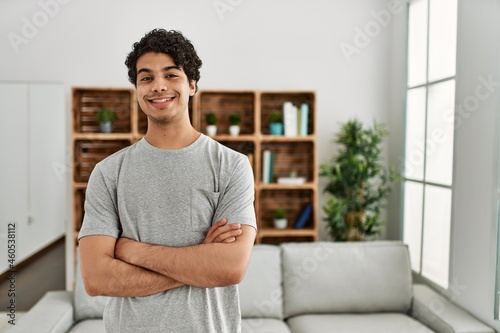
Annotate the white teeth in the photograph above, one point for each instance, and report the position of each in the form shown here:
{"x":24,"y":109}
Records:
{"x":163,"y":100}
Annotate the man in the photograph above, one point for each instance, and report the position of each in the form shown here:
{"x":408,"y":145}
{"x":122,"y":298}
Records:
{"x":150,"y":237}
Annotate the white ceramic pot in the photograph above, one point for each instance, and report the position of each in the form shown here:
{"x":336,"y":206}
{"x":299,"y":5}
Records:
{"x":280,"y":223}
{"x":234,"y":130}
{"x":211,"y":130}
{"x":106,"y":127}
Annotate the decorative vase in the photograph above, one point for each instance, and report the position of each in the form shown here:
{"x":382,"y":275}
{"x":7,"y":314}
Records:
{"x":106,"y":127}
{"x":234,"y":130}
{"x":280,"y":223}
{"x":211,"y":130}
{"x":353,"y":222}
{"x":276,"y":128}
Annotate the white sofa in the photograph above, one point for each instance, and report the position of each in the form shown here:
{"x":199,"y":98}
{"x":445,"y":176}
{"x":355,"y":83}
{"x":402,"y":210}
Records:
{"x":300,"y":288}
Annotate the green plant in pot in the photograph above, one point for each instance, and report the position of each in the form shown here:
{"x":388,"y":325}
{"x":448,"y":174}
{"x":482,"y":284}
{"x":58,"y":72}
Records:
{"x":276,"y":123}
{"x":358,"y":183}
{"x":234,"y":124}
{"x":211,"y":120}
{"x":280,"y":221}
{"x":106,"y":117}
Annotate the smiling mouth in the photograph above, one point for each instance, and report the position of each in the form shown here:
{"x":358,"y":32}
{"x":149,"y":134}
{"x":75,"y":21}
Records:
{"x":160,"y":102}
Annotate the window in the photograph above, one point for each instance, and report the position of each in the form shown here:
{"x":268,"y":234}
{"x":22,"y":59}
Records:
{"x":429,"y":125}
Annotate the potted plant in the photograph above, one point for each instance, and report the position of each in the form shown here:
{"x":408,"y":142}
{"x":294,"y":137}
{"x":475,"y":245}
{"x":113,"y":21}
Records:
{"x":280,"y":221}
{"x":106,"y":117}
{"x":234,"y":124}
{"x":276,"y":123}
{"x":358,"y":183}
{"x":211,"y":120}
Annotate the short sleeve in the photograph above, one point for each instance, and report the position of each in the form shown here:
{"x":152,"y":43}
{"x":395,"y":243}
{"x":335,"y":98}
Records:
{"x":101,"y":211}
{"x":236,"y":202}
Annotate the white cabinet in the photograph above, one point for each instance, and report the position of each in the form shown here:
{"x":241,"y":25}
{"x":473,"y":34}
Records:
{"x":33,"y":180}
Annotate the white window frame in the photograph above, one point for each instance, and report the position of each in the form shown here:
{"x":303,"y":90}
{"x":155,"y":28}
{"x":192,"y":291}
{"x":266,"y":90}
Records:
{"x":427,"y":84}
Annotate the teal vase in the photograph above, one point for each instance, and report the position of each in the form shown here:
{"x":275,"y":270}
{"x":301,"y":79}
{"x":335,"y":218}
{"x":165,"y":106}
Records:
{"x":276,"y":128}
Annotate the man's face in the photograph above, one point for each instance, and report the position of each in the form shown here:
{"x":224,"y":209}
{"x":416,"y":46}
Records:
{"x":163,"y":88}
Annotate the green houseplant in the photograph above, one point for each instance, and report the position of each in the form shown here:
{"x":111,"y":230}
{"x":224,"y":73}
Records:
{"x":276,"y":123}
{"x":211,"y":120}
{"x":358,"y":183}
{"x":280,"y":221}
{"x":234,"y":124}
{"x":106,"y":117}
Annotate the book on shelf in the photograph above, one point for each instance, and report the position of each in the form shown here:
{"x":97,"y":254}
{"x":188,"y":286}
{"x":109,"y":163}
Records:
{"x":290,"y":119}
{"x":304,"y":216}
{"x":304,"y":117}
{"x":291,"y":180}
{"x":267,"y":166}
{"x":295,"y":119}
{"x":271,"y":168}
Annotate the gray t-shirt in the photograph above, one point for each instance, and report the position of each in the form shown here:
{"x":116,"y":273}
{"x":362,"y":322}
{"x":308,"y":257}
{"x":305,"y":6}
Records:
{"x":171,"y":197}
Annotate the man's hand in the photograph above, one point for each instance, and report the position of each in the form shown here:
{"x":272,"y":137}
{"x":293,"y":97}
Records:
{"x":221,"y":232}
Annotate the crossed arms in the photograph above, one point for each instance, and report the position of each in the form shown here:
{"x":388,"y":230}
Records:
{"x":127,"y":268}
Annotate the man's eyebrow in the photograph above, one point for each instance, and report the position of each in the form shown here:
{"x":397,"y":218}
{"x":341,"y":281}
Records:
{"x":147,"y":70}
{"x":170,"y":67}
{"x":164,"y":69}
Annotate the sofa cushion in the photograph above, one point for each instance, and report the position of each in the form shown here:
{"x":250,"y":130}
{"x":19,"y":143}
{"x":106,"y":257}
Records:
{"x":356,"y":323}
{"x":86,"y":307}
{"x":261,"y":294}
{"x":326,"y":277}
{"x":87,"y":326}
{"x":263,"y":325}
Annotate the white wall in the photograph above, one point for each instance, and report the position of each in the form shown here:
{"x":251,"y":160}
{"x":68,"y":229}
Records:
{"x":475,"y":179}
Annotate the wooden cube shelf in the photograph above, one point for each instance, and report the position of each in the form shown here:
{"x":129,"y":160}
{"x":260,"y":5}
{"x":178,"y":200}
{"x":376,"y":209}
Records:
{"x":87,"y":102}
{"x":222,"y":105}
{"x":272,"y":102}
{"x":291,"y":155}
{"x":89,"y":145}
{"x":78,"y":209}
{"x":292,"y":158}
{"x":292,"y":201}
{"x":87,"y":153}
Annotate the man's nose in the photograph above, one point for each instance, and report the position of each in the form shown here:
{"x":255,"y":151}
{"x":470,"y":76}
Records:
{"x":159,"y":85}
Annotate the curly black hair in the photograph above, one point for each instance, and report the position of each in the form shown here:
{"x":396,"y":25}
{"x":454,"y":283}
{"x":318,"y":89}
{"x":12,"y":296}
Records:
{"x":170,"y":42}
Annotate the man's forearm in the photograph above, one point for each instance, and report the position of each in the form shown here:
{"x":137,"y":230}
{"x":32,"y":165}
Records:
{"x":121,"y":279}
{"x":105,"y":275}
{"x":204,"y":265}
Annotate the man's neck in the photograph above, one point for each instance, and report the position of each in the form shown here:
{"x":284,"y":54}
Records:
{"x":171,"y":136}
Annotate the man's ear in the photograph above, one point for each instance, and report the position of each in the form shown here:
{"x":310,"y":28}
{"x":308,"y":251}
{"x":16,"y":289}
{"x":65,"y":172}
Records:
{"x":192,"y":87}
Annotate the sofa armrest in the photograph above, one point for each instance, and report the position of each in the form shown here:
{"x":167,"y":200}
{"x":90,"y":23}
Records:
{"x":439,"y":314}
{"x":53,"y":313}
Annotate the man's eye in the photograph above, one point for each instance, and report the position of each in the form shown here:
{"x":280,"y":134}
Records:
{"x":171,"y":76}
{"x":146,"y":78}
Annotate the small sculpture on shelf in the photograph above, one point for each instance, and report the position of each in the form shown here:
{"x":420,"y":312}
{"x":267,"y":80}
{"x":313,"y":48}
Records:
{"x":280,"y":221}
{"x":276,"y":123}
{"x":106,"y":117}
{"x":211,"y":120}
{"x":234,"y":124}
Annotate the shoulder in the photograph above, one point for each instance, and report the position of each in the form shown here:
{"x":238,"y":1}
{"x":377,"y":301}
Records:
{"x":230,"y":162}
{"x":110,"y":166}
{"x":116,"y":158}
{"x":222,"y":151}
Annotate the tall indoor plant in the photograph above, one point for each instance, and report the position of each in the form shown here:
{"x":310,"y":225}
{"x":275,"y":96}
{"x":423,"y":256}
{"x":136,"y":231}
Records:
{"x":358,"y":182}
